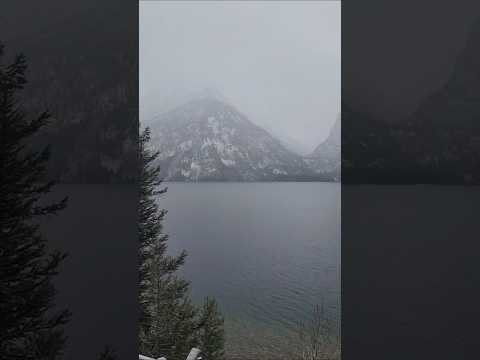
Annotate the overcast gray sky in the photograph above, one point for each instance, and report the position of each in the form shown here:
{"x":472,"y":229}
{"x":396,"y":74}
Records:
{"x":277,"y":62}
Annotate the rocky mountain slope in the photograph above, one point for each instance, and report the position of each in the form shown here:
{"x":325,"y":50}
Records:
{"x":209,"y":140}
{"x":326,"y":158}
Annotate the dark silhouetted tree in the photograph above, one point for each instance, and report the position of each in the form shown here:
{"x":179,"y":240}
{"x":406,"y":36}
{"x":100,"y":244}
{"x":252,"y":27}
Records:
{"x":107,"y":354}
{"x":30,"y":327}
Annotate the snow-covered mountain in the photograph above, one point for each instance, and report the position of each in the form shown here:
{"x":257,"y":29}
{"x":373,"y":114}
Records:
{"x":326,"y":158}
{"x":208,"y":139}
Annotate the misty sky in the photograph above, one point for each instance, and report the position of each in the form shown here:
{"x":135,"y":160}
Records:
{"x":277,"y":62}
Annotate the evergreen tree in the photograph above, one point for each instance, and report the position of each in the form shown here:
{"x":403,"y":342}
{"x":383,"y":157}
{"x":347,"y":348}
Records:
{"x":167,"y":318}
{"x":30,"y":328}
{"x":211,"y":333}
{"x":170,"y":325}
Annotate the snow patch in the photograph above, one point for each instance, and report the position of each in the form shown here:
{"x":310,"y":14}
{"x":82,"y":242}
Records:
{"x":279,"y":172}
{"x":214,"y":125}
{"x":196,"y":169}
{"x":228,"y":162}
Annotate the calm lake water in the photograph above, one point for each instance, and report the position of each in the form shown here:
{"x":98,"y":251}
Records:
{"x":268,"y":252}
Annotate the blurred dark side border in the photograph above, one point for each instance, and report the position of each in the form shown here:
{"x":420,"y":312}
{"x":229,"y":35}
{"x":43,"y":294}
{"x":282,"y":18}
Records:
{"x":83,"y":67}
{"x":82,"y":61}
{"x":410,"y":104}
{"x":410,"y":156}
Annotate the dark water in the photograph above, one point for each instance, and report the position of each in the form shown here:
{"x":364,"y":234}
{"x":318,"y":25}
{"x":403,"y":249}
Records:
{"x":98,"y":281}
{"x":268,"y":252}
{"x":410,"y":272}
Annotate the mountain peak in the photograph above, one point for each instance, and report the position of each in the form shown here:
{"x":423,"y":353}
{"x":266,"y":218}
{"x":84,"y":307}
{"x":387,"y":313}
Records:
{"x":208,"y":139}
{"x":201,"y":109}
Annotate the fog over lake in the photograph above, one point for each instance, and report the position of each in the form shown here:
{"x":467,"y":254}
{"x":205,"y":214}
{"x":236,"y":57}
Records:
{"x":278,"y":62}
